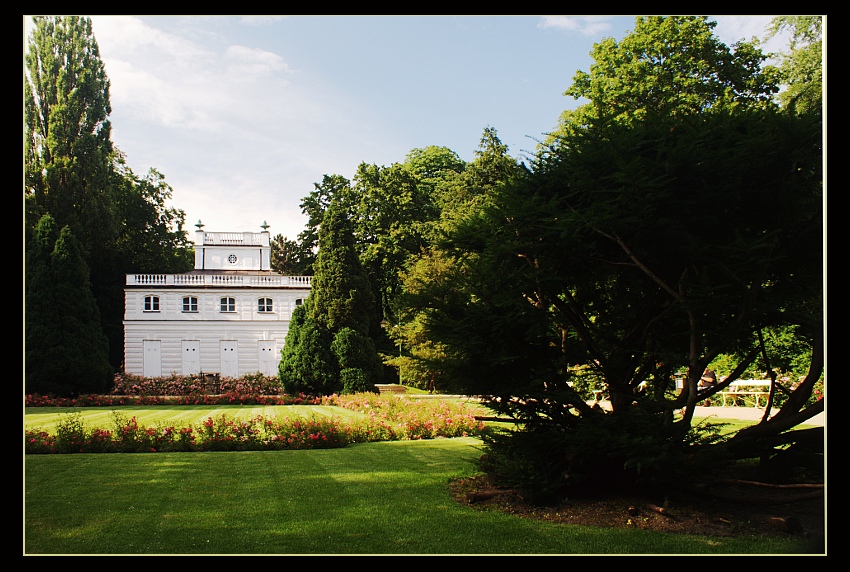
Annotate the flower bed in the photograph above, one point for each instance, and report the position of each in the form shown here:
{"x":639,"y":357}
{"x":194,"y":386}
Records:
{"x":385,"y":419}
{"x":229,"y":398}
{"x":124,"y":384}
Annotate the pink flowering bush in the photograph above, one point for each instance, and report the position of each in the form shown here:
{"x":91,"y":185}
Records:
{"x":400,"y":418}
{"x":262,"y":433}
{"x":255,"y":384}
{"x":385,"y":419}
{"x":219,"y":434}
{"x":129,"y":389}
{"x":229,"y":398}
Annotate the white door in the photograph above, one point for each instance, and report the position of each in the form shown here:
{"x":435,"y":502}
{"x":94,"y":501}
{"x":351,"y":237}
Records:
{"x":191,"y":357}
{"x":153,"y":358}
{"x":268,"y":358}
{"x":229,"y":359}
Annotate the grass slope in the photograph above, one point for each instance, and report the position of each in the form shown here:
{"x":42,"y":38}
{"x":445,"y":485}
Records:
{"x":376,"y":498}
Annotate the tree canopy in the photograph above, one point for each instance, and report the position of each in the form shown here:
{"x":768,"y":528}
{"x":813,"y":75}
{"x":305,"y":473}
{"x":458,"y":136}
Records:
{"x":457,"y":195}
{"x":672,"y":65}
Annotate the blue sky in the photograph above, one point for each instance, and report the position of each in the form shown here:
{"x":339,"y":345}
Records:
{"x":242,"y":115}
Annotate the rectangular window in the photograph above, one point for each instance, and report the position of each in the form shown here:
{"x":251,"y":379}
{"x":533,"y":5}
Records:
{"x":299,"y":301}
{"x":264,"y":305}
{"x":190,"y":304}
{"x":151,"y":303}
{"x":228,"y":304}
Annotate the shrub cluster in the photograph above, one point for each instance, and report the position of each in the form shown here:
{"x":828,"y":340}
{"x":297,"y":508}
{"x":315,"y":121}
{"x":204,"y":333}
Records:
{"x":385,"y":419}
{"x":229,"y":398}
{"x":128,"y":389}
{"x":176,"y":385}
{"x":220,"y":434}
{"x":404,"y":418}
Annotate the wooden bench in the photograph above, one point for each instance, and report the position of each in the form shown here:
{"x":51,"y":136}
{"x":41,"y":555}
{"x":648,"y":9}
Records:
{"x":392,"y":388}
{"x":757,"y":388}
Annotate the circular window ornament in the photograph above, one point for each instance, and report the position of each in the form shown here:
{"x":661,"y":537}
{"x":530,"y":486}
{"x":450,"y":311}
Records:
{"x":232,"y":259}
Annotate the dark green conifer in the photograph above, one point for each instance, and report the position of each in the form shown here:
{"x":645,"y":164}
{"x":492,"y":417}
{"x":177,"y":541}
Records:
{"x":327,"y":348}
{"x":66,"y":351}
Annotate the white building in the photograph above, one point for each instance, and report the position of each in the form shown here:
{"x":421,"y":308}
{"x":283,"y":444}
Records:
{"x":229,"y":315}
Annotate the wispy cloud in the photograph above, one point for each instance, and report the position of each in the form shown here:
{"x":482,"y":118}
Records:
{"x":176,"y":91}
{"x":734,"y":28}
{"x":181,"y":83}
{"x":240,"y":135}
{"x":731,"y":29}
{"x":585,"y":25}
{"x":253,"y":62}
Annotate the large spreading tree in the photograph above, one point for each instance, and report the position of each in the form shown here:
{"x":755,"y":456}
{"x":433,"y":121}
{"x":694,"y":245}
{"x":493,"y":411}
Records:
{"x":674,"y":218}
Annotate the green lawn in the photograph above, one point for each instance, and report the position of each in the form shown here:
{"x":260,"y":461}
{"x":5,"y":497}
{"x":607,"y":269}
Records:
{"x":45,"y":418}
{"x":375,"y":498}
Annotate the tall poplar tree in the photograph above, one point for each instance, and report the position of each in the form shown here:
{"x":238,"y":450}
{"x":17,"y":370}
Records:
{"x":68,"y":153}
{"x":68,"y":147}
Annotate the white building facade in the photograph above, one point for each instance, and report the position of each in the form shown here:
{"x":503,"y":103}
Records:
{"x":228,"y":316}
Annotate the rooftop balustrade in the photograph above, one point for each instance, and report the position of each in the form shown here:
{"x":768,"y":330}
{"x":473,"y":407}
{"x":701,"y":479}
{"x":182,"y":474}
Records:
{"x":233,"y":238}
{"x":218,"y":280}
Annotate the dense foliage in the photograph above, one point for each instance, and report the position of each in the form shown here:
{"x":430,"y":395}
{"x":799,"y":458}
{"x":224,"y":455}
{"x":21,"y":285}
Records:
{"x":802,"y":66}
{"x":328,"y":348}
{"x":457,"y":193}
{"x":673,"y":220}
{"x":65,"y":347}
